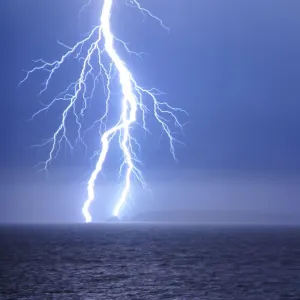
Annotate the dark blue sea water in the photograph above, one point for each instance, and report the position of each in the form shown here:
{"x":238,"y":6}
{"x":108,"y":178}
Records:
{"x":139,"y":261}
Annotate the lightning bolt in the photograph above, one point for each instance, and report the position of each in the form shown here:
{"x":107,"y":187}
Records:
{"x":101,"y":42}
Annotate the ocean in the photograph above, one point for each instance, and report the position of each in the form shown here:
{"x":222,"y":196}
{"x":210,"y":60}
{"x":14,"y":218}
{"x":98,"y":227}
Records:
{"x":149,"y":261}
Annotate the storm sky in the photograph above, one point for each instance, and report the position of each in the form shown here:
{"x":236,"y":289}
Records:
{"x":233,"y":65}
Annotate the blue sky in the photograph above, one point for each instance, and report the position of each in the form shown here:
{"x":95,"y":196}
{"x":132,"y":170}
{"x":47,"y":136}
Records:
{"x":233,"y":65}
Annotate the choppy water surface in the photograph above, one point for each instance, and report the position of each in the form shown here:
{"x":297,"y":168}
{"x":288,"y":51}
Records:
{"x":135,"y":261}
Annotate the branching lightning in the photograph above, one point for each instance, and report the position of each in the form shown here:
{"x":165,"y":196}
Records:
{"x":101,"y":42}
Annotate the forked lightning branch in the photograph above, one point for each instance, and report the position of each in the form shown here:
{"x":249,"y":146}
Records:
{"x":101,"y":42}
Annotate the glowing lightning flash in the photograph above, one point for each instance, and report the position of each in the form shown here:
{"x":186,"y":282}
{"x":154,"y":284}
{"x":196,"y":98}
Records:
{"x":131,"y":103}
